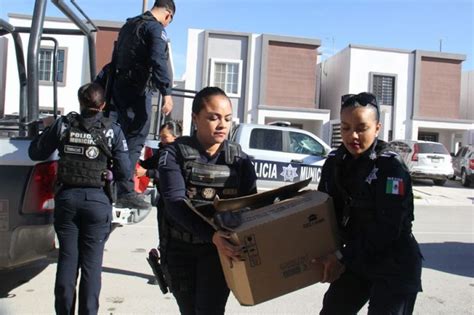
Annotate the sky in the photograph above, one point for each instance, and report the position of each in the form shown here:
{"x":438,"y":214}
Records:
{"x":402,"y":24}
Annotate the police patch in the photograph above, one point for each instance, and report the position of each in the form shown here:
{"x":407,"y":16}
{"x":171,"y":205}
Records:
{"x":70,"y":149}
{"x":125,"y":145}
{"x":92,"y":152}
{"x":163,"y":158}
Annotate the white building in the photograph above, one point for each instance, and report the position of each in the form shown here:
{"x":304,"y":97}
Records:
{"x":419,"y":92}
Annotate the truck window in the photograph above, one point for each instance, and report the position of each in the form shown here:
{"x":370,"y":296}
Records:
{"x":304,"y":144}
{"x":266,"y":139}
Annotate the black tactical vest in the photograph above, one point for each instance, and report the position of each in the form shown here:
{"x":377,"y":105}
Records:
{"x":132,"y":57}
{"x":82,"y":161}
{"x":205,"y":181}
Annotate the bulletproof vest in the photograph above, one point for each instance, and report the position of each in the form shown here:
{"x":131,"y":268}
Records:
{"x":82,"y":161}
{"x":132,"y":57}
{"x":205,"y":181}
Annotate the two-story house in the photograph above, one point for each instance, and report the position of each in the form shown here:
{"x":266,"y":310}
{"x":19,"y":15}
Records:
{"x":267,"y":77}
{"x":419,"y":92}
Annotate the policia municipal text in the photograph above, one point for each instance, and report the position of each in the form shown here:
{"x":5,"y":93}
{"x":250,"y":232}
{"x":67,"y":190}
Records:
{"x":380,"y":260}
{"x":197,"y":168}
{"x":92,"y":152}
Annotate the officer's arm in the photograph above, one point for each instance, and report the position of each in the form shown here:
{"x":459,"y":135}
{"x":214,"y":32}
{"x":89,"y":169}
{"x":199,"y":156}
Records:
{"x":121,"y":165}
{"x":159,"y":58}
{"x":248,"y":183}
{"x":394,"y":211}
{"x":46,"y":143}
{"x":323,"y":182}
{"x":173,"y":191}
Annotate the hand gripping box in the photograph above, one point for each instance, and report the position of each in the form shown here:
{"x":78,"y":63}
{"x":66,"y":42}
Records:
{"x":281,"y":239}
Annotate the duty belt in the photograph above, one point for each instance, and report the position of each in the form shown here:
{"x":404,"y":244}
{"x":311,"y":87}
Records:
{"x":184,"y":236}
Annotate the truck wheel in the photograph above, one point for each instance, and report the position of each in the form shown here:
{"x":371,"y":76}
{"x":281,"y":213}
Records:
{"x":464,"y":180}
{"x":439,"y":182}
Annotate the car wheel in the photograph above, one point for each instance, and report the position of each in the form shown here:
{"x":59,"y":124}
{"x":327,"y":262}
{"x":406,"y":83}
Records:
{"x":439,"y":182}
{"x":452,"y":177}
{"x":464,"y":180}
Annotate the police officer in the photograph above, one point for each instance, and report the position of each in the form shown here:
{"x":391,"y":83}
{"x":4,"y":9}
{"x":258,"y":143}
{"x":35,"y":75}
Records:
{"x":380,"y":260}
{"x":140,"y":62}
{"x":197,"y":168}
{"x":92,"y":150}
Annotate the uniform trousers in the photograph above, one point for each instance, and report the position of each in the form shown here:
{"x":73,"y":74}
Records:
{"x":82,"y":220}
{"x":133,"y":113}
{"x":350,"y":292}
{"x":195,"y":277}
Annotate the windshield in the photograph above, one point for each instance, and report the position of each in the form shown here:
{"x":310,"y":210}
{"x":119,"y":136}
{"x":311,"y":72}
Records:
{"x":432,"y":148}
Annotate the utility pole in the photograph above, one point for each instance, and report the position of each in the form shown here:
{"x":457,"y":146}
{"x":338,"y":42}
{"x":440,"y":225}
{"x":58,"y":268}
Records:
{"x":440,"y":45}
{"x":145,"y":6}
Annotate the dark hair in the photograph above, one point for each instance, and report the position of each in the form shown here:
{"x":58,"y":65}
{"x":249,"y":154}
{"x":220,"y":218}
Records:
{"x":91,"y":96}
{"x":364,"y":99}
{"x":167,"y":4}
{"x":204,"y":96}
{"x":173,"y":127}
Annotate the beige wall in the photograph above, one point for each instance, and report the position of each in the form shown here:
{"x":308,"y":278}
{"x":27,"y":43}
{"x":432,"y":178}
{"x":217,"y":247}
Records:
{"x":440,"y":88}
{"x":291,"y":75}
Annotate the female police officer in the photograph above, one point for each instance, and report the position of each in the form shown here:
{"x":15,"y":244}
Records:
{"x":380,"y":260}
{"x":198,"y":168}
{"x":89,"y":147}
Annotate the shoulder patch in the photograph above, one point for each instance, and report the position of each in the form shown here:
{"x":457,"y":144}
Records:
{"x":164,"y":36}
{"x":395,"y":186}
{"x":163,"y":159}
{"x":389,"y":154}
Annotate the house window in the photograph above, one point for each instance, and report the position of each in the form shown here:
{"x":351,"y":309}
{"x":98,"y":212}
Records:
{"x":227,"y":74}
{"x":46,"y":65}
{"x":383,"y":87}
{"x":428,"y":136}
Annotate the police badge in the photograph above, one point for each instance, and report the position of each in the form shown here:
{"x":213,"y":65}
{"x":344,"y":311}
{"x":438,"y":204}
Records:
{"x":208,"y":193}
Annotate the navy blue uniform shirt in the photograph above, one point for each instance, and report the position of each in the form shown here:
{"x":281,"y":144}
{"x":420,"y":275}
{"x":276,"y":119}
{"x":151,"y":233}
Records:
{"x":383,"y":247}
{"x":173,"y":186}
{"x":49,"y":140}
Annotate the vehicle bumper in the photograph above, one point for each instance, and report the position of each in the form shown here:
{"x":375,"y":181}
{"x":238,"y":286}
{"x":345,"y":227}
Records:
{"x":422,"y":175}
{"x":25,"y":244}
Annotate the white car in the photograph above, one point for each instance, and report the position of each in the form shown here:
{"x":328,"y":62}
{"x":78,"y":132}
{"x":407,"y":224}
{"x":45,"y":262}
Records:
{"x":425,"y":159}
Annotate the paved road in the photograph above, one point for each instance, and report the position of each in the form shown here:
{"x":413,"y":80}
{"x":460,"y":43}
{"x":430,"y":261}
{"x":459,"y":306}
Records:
{"x":443,"y":226}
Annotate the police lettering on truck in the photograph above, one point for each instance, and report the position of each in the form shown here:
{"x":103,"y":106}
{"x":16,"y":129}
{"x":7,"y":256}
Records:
{"x":286,"y":172}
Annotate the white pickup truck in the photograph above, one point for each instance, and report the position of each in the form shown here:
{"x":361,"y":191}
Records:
{"x":281,"y":154}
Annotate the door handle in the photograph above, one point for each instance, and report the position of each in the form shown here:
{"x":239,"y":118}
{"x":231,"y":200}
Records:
{"x":297,"y":161}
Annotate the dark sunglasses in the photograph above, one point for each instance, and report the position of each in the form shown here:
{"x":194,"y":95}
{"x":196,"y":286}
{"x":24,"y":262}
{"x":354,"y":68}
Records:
{"x":362,"y":99}
{"x":171,"y":13}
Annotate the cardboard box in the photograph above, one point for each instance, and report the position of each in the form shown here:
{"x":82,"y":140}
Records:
{"x":281,"y":239}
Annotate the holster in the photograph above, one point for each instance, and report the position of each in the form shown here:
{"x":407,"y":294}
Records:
{"x":154,"y":262}
{"x":110,"y":190}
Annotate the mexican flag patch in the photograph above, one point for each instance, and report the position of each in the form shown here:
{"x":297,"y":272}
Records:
{"x":395,"y":186}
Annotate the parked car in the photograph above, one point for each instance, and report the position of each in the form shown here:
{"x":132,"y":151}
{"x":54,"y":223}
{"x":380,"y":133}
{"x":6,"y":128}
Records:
{"x":425,"y":159}
{"x":463,"y":164}
{"x":281,"y":154}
